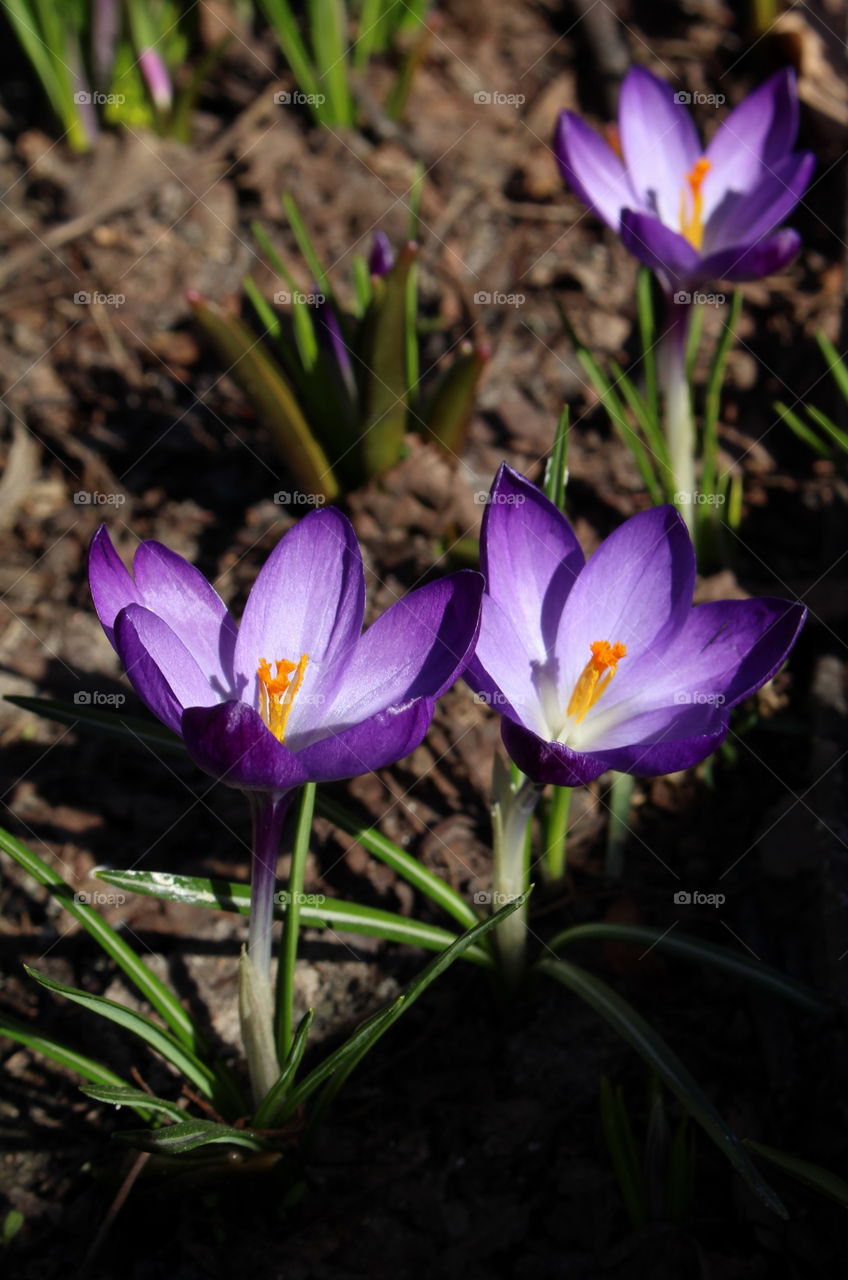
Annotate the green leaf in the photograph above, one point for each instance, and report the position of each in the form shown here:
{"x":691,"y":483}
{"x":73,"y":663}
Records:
{"x":186,"y":1062}
{"x":648,"y":338}
{"x":812,"y":1175}
{"x":802,"y":431}
{"x":273,"y":400}
{"x":266,"y":1114}
{"x":123,"y":1096}
{"x":835,"y":363}
{"x":712,"y":403}
{"x":56,"y":1051}
{"x":341,"y":1063}
{"x":151,"y":987}
{"x":281,"y":17}
{"x":638,"y":1033}
{"x":407,"y":867}
{"x":615,"y":409}
{"x":328,"y":26}
{"x":451,"y":403}
{"x":622,"y":1149}
{"x":688,"y":947}
{"x":284,"y":1013}
{"x":328,"y":913}
{"x":556,"y":467}
{"x":12,"y":1224}
{"x":383,"y":367}
{"x":148,"y":733}
{"x":188,"y":1135}
{"x":307,"y":248}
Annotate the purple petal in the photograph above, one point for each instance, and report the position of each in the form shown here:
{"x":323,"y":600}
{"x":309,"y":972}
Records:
{"x":181,"y":596}
{"x":332,"y":339}
{"x":158,"y":80}
{"x":592,"y":169}
{"x":501,"y":670}
{"x":752,"y":262}
{"x":753,"y":138}
{"x":680,"y":740}
{"x":530,"y":558}
{"x":657,"y":246}
{"x":415,"y":650}
{"x":382,"y":256}
{"x":110,"y":582}
{"x":309,"y":598}
{"x":746,"y":218}
{"x":659,"y":141}
{"x":232,"y":743}
{"x":161,"y":669}
{"x":545,"y":762}
{"x":380,"y":740}
{"x":635,"y":590}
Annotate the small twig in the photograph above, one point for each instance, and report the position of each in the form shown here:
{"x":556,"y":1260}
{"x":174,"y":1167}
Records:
{"x":114,"y":1209}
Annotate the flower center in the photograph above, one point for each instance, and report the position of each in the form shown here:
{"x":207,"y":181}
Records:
{"x":278,"y":691}
{"x":692,"y":222}
{"x":594,"y":679}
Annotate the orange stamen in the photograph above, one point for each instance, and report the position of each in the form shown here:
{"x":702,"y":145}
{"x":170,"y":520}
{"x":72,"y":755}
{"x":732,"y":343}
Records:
{"x":277,"y":692}
{"x":595,"y":677}
{"x":692,"y":224}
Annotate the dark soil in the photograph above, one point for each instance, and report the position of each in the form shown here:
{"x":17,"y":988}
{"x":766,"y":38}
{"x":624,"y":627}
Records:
{"x":470,"y":1143}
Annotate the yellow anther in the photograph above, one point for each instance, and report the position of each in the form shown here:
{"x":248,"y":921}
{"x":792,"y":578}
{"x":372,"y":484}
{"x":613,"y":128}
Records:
{"x":595,"y":677}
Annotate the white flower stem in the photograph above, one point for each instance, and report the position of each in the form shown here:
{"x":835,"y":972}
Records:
{"x":677,"y":397}
{"x":511,"y":814}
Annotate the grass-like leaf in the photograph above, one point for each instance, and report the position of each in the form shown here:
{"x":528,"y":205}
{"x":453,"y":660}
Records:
{"x":641,"y":1036}
{"x":812,"y":1175}
{"x":686,"y":946}
{"x":265,"y":1117}
{"x":189,"y":1135}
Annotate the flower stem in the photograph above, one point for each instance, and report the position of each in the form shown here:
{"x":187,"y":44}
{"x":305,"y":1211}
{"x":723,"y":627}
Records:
{"x":291,"y":928}
{"x":679,"y":421}
{"x":255,"y":1004}
{"x":511,"y":814}
{"x":556,"y":832}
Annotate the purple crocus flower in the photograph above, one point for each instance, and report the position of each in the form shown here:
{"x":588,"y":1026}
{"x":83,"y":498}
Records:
{"x":296,"y":693}
{"x":382,"y":256}
{"x":606,"y":664}
{"x":694,"y":214}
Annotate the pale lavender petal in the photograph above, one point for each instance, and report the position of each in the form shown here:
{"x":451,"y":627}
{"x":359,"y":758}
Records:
{"x":416,"y":649}
{"x":162,"y":671}
{"x":752,"y":262}
{"x":636,"y":590}
{"x":181,"y":596}
{"x":503,"y":672}
{"x":592,"y":169}
{"x":659,"y":141}
{"x":747,"y":218}
{"x":530,"y":558}
{"x":110,"y":582}
{"x":309,"y":598}
{"x":752,"y":139}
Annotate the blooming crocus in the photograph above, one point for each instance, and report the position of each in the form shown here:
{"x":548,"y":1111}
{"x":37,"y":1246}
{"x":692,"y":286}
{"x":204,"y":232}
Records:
{"x":297,"y":693}
{"x":694,"y":213}
{"x":606,"y":664}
